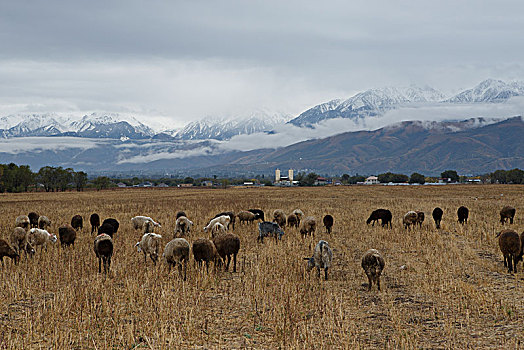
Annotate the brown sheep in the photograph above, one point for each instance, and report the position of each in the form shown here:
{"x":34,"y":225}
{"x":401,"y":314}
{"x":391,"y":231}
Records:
{"x":463,"y":214}
{"x":67,"y":235}
{"x":33,"y":219}
{"x":245,"y":216}
{"x":292,"y":220}
{"x":507,"y":213}
{"x":279,"y":217}
{"x":373,"y":264}
{"x":420,"y":218}
{"x":103,"y":247}
{"x":308,"y":226}
{"x":7,"y":250}
{"x":380,"y":214}
{"x":94,"y":220}
{"x":299,"y":213}
{"x":19,"y":241}
{"x":328,"y":222}
{"x":227,"y":244}
{"x":77,"y":222}
{"x":204,"y":250}
{"x":511,"y":247}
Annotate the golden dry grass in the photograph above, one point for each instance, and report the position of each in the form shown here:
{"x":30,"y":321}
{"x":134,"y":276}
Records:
{"x":441,"y":289}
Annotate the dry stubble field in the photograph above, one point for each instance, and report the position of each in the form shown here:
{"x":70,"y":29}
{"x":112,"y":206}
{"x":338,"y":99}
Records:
{"x":441,"y":289}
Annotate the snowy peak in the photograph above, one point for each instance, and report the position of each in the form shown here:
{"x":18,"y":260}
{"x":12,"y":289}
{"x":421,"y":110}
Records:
{"x":489,"y":90}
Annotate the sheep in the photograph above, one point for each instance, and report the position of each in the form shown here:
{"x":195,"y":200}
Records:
{"x":232,"y":217}
{"x":224,"y":220}
{"x":218,"y":229}
{"x":267,"y":228}
{"x":511,"y":247}
{"x":308,"y":226}
{"x":437,"y":216}
{"x":39,"y":237}
{"x":321,"y":259}
{"x":246,"y":216}
{"x":299,"y":213}
{"x":107,"y":229}
{"x":292,"y":220}
{"x":420,"y":218}
{"x":180,"y":213}
{"x":373,"y":264}
{"x":77,"y":222}
{"x":18,"y":240}
{"x":328,"y":222}
{"x":44,"y":222}
{"x":112,"y":222}
{"x":410,"y":218}
{"x":67,"y":235}
{"x":94,"y":220}
{"x":176,"y":251}
{"x":183,"y":225}
{"x":463,"y":214}
{"x":138,"y":222}
{"x":259,"y":213}
{"x":149,"y":245}
{"x":23,"y":221}
{"x":507,"y":213}
{"x":7,"y":250}
{"x":227,"y":244}
{"x":384,"y":215}
{"x":279,"y":217}
{"x":205,"y":250}
{"x":33,"y":219}
{"x":103,"y":247}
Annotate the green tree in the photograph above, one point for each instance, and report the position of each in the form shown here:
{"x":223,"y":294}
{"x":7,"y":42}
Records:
{"x":308,"y":180}
{"x":102,"y":182}
{"x":515,"y":176}
{"x":80,"y":180}
{"x":450,"y":174}
{"x":417,"y":178}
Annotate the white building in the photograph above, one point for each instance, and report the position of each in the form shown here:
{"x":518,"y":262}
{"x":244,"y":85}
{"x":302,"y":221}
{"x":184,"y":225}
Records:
{"x":371,"y":180}
{"x":284,"y":180}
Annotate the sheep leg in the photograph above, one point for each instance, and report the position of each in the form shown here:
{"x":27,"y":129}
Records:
{"x":235,"y":263}
{"x":228,"y":260}
{"x":318,"y":271}
{"x":378,"y":282}
{"x":326,"y":273}
{"x":510,"y":264}
{"x":514,"y":264}
{"x":99,"y":265}
{"x":185,"y":269}
{"x":369,"y":283}
{"x":145,"y":258}
{"x":511,"y":220}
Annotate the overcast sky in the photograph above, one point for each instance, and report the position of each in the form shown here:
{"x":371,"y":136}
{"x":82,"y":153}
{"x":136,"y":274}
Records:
{"x":181,"y":61}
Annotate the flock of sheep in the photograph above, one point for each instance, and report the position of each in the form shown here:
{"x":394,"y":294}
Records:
{"x":223,"y":245}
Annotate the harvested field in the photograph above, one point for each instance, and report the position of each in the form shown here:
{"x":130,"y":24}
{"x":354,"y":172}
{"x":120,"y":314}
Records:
{"x":443,"y":288}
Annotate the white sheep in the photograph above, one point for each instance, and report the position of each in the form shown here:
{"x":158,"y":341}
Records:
{"x":224,"y":220}
{"x":138,"y":222}
{"x":322,"y":258}
{"x":39,"y":237}
{"x":23,"y":221}
{"x":176,"y":251}
{"x":410,"y":218}
{"x":149,"y":245}
{"x":183,"y":225}
{"x":43,"y":222}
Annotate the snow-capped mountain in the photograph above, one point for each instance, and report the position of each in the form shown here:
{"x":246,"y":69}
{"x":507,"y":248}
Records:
{"x":376,"y":102}
{"x":370,"y":103}
{"x":224,"y":129}
{"x":490,"y":90}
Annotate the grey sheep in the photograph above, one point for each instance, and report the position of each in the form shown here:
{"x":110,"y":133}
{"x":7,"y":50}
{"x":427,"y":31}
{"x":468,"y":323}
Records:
{"x":227,"y":244}
{"x":373,"y":264}
{"x":149,"y":245}
{"x":511,"y":247}
{"x":308,"y":226}
{"x":279,"y":217}
{"x":410,"y":218}
{"x":44,"y":222}
{"x":183,"y":226}
{"x":23,"y":221}
{"x":67,"y":235}
{"x":321,"y":259}
{"x":507,"y":213}
{"x":177,"y":252}
{"x":267,"y":228}
{"x":103,"y":247}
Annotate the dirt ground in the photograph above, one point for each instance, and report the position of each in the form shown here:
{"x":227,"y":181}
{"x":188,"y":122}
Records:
{"x":443,"y":288}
